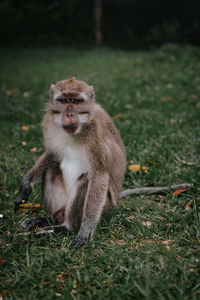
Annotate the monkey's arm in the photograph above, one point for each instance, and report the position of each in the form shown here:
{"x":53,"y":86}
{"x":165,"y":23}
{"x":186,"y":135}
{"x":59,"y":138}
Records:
{"x":33,"y":176}
{"x":93,"y":207}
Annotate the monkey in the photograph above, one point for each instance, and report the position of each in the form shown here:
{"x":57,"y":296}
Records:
{"x":83,"y":165}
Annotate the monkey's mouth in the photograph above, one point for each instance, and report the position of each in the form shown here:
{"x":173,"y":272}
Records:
{"x":70,"y":128}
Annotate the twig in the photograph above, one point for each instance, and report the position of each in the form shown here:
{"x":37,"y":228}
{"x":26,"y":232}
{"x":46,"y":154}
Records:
{"x":155,"y":190}
{"x":185,"y":162}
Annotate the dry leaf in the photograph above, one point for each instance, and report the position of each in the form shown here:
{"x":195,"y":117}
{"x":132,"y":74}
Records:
{"x":8,"y":92}
{"x":167,"y":98}
{"x":31,"y":206}
{"x":1,"y":297}
{"x":62,"y":277}
{"x":144,"y":168}
{"x":188,"y":205}
{"x":26,"y":94}
{"x":25,"y":127}
{"x":194,"y":97}
{"x":137,"y":168}
{"x":173,"y":121}
{"x":119,"y":115}
{"x":14,"y":92}
{"x":175,"y":193}
{"x":24,"y":143}
{"x":147,"y":223}
{"x":132,"y":217}
{"x":35,"y":149}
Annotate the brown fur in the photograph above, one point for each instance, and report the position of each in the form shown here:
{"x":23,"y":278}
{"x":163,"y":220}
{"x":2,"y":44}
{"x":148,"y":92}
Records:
{"x":94,"y":145}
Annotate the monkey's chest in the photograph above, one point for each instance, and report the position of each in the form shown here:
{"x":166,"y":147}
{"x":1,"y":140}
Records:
{"x":60,"y":192}
{"x":73,"y":165}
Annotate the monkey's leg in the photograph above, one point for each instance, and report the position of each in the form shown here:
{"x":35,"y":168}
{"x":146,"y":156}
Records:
{"x":36,"y":221}
{"x":93,"y":207}
{"x":33,"y":176}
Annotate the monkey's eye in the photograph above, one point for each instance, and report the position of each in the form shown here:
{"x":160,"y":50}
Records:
{"x":76,"y":101}
{"x":55,"y":111}
{"x":62,"y":100}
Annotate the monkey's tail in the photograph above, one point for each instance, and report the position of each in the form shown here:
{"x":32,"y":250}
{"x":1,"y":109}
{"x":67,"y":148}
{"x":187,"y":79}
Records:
{"x":155,"y":190}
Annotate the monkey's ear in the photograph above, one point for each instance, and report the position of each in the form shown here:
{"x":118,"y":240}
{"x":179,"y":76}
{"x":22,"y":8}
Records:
{"x":52,"y":88}
{"x":92,"y":92}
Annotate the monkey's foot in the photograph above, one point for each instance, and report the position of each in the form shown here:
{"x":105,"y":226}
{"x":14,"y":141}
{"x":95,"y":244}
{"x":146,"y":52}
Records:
{"x":36,"y":221}
{"x":77,"y":242}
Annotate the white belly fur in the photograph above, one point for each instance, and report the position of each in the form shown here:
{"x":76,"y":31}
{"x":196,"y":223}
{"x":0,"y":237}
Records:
{"x":73,"y":164}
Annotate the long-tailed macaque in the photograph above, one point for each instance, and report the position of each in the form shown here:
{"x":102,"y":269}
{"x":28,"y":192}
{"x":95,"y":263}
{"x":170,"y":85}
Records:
{"x":84,"y":163}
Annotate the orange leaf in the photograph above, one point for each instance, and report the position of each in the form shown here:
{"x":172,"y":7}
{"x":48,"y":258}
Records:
{"x":134,"y":168}
{"x":31,"y":206}
{"x":175,"y":193}
{"x":8,"y":92}
{"x":137,"y":168}
{"x":25,"y":127}
{"x":167,"y":98}
{"x":119,"y":115}
{"x":144,"y":168}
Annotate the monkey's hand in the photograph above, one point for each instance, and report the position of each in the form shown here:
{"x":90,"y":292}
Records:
{"x":78,"y":242}
{"x":18,"y":201}
{"x":24,"y":192}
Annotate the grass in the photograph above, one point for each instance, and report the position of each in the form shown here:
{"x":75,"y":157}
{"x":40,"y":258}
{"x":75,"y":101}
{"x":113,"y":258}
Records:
{"x":148,"y":248}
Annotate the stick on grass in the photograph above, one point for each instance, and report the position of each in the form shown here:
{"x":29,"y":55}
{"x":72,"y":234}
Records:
{"x":154,"y":190}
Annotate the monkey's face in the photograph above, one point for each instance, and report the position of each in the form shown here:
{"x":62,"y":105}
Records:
{"x":70,"y":104}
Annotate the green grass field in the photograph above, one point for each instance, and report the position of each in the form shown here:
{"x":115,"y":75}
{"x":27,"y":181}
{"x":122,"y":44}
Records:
{"x":149,"y":247}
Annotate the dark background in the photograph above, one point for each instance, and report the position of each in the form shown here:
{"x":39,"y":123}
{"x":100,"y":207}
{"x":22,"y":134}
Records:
{"x":127,"y":24}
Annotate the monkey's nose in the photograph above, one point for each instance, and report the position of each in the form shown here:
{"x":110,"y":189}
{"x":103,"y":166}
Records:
{"x":70,"y":112}
{"x":70,"y":115}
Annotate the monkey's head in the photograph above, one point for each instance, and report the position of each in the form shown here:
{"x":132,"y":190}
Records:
{"x":70,"y":104}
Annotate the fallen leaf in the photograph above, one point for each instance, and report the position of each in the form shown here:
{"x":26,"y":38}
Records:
{"x":132,"y":217}
{"x":25,"y":127}
{"x":62,"y":277}
{"x":1,"y":297}
{"x":173,"y":121}
{"x":26,"y":94}
{"x":31,"y":206}
{"x":168,"y":224}
{"x":192,"y":269}
{"x":147,"y":223}
{"x":167,"y":98}
{"x":175,"y":193}
{"x":194,"y":97}
{"x":35,"y":149}
{"x":119,"y":115}
{"x":8,"y":92}
{"x":144,"y":168}
{"x":24,"y":143}
{"x":188,"y":205}
{"x":137,"y":168}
